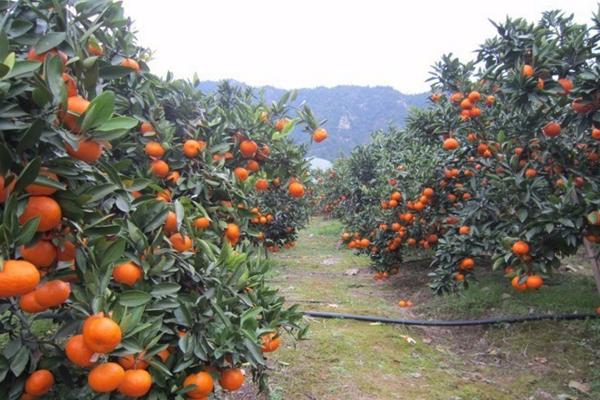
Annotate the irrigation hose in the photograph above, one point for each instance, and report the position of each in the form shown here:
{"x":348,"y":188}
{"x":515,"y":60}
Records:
{"x":434,"y":322}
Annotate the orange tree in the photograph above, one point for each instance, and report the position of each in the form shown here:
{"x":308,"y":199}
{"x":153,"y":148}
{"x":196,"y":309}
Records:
{"x":517,"y":137}
{"x":130,"y":266}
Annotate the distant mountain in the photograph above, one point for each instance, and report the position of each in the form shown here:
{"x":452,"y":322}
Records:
{"x":352,"y":113}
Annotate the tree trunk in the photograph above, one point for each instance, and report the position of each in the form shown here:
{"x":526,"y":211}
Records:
{"x":592,"y":253}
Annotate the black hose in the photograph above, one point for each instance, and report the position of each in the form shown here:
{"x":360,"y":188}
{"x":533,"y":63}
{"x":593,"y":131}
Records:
{"x":433,"y":322}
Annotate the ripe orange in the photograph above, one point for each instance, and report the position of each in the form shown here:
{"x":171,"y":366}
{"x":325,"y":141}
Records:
{"x":456,"y":97}
{"x":428,"y":192}
{"x":241,"y":173}
{"x":76,"y":106}
{"x":596,"y":133}
{"x":33,"y":56}
{"x":451,"y":144}
{"x":459,"y":277}
{"x":261,"y":184}
{"x":202,"y":223}
{"x":39,"y":382}
{"x":28,"y":304}
{"x":127,"y":273}
{"x":204,"y":385}
{"x":42,"y":253}
{"x":131,"y":63}
{"x":18,"y":278}
{"x":280,"y":124}
{"x":130,"y":362}
{"x":191,"y":148}
{"x":552,"y":129}
{"x":474,"y":96}
{"x":101,"y":334}
{"x":180,"y":242}
{"x":319,"y":135}
{"x":464,"y":230}
{"x":396,"y":196}
{"x":67,"y":252}
{"x":95,"y":49}
{"x":106,"y":377}
{"x":566,"y":84}
{"x":519,"y":287}
{"x":232,"y":233}
{"x":159,"y":168}
{"x":78,"y":353}
{"x":296,"y":189}
{"x":136,"y":383}
{"x":154,"y":149}
{"x":534,"y":282}
{"x":490,"y":100}
{"x":174,"y":177}
{"x":530,"y":173}
{"x":41,"y":190}
{"x":527,"y":70}
{"x":270,"y":342}
{"x":248,"y":148}
{"x":232,"y":379}
{"x":146,"y":127}
{"x":170,"y":226}
{"x":253,"y":166}
{"x":466,"y":263}
{"x":520,"y":248}
{"x":44,"y":207}
{"x":52,"y":293}
{"x":87,"y":151}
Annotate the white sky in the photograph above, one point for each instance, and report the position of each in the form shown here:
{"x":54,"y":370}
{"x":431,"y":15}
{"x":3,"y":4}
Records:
{"x":308,"y":43}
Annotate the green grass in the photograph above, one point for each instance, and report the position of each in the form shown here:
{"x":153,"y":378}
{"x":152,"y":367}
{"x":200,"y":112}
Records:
{"x":350,"y":359}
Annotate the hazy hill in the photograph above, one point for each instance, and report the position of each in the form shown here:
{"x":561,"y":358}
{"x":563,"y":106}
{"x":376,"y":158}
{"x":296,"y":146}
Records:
{"x":352,"y":112}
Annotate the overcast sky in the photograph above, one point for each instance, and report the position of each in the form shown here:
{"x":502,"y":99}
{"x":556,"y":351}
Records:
{"x":308,"y":43}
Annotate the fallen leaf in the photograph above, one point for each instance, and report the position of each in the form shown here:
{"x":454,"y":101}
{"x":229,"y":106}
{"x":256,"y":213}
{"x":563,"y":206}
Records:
{"x":579,"y":386}
{"x":351,"y":272}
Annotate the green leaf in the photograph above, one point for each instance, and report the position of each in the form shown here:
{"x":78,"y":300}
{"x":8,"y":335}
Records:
{"x":164,"y":289}
{"x":114,"y":251}
{"x":49,"y":41}
{"x":4,"y":45}
{"x":134,"y":298}
{"x":53,"y":75}
{"x":22,"y":68}
{"x":19,"y":361}
{"x":29,"y":173}
{"x":31,"y":136}
{"x":117,"y":123}
{"x":99,"y":111}
{"x":113,"y":72}
{"x":27,"y":231}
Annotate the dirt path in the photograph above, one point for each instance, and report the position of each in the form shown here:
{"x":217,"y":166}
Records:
{"x":361,"y":361}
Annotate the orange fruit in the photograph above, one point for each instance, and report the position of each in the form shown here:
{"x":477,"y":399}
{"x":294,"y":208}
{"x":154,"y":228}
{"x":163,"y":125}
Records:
{"x":154,"y":149}
{"x":202,"y":223}
{"x":78,"y":353}
{"x":519,"y":287}
{"x":95,"y":49}
{"x":253,"y":166}
{"x":296,"y":189}
{"x":566,"y":84}
{"x":131,"y":63}
{"x":67,"y":252}
{"x":52,"y":293}
{"x":170,"y":226}
{"x":280,"y":124}
{"x":450,"y":144}
{"x":459,"y":277}
{"x":261,"y":185}
{"x":159,"y":168}
{"x":41,"y":190}
{"x":136,"y":383}
{"x":204,"y":385}
{"x":402,"y":303}
{"x":130,"y":362}
{"x":76,"y":106}
{"x":527,"y":70}
{"x":101,"y":334}
{"x":28,"y":303}
{"x":146,"y":127}
{"x":319,"y":135}
{"x":552,"y":129}
{"x":474,"y":96}
{"x":39,"y":382}
{"x":520,"y":248}
{"x":87,"y":151}
{"x":270,"y":342}
{"x":534,"y":282}
{"x":33,"y":56}
{"x":127,"y":273}
{"x":464,"y":230}
{"x":241,"y":173}
{"x":596,"y":133}
{"x":232,"y":379}
{"x":232,"y":233}
{"x":530,"y":173}
{"x":248,"y":148}
{"x":428,"y":192}
{"x":44,"y":207}
{"x":42,"y":253}
{"x":18,"y":278}
{"x":181,"y":242}
{"x":456,"y":97}
{"x":164,"y":355}
{"x":70,"y":84}
{"x":106,"y":377}
{"x":466,"y":263}
{"x":191,"y":148}
{"x":174,"y":177}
